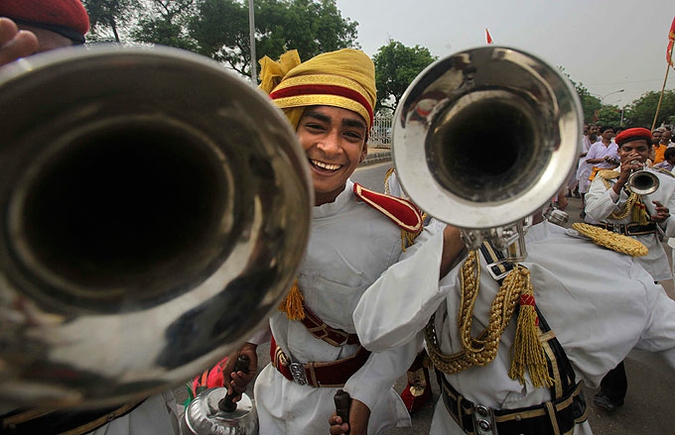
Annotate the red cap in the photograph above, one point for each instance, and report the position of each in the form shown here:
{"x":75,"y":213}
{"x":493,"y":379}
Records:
{"x":633,"y":134}
{"x":65,"y":17}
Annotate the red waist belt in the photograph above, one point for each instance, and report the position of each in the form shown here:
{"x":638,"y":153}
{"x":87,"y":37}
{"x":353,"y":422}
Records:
{"x":332,"y":374}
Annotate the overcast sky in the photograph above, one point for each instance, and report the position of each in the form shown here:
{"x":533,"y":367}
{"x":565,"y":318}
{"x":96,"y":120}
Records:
{"x":606,"y":45}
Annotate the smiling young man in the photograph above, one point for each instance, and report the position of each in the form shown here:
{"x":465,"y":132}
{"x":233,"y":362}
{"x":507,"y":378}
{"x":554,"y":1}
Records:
{"x":355,"y":236}
{"x":334,"y":141}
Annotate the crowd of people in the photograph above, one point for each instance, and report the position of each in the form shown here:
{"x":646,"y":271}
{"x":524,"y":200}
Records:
{"x":379,"y":284}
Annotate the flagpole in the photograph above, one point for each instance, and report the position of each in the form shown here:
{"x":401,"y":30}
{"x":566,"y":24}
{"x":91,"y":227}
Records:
{"x":663,"y":89}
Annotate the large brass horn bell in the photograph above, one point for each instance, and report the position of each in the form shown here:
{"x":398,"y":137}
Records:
{"x":154,"y":209}
{"x":485,"y":137}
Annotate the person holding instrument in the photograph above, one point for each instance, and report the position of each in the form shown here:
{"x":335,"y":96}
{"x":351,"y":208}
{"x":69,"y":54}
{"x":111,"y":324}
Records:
{"x":513,"y":340}
{"x":610,"y":204}
{"x":356,"y":235}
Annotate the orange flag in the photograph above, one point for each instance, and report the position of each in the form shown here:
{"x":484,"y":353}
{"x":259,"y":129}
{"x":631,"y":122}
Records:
{"x":488,"y":38}
{"x":671,"y":40}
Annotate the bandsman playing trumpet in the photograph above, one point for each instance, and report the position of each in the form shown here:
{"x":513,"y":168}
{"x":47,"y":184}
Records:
{"x":612,"y":205}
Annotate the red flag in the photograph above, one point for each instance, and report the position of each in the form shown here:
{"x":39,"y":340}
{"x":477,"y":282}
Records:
{"x":671,"y":40}
{"x":488,"y":38}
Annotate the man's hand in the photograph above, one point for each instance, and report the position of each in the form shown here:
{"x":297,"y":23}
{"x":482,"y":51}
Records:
{"x":337,"y":426}
{"x":629,"y":162}
{"x":661,"y":212}
{"x":239,"y":380}
{"x":359,"y":414}
{"x":15,"y":43}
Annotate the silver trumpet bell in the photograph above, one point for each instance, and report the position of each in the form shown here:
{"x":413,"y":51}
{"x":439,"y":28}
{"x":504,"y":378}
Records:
{"x":642,"y":182}
{"x":154,"y":210}
{"x":485,"y":137}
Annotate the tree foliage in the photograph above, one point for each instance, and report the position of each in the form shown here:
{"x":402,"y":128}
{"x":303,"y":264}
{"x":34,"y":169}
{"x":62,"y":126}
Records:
{"x":590,"y":104}
{"x":220,"y":28}
{"x":395,"y":68}
{"x":608,"y":115}
{"x":167,"y":23}
{"x":642,"y":111}
{"x":107,"y":16}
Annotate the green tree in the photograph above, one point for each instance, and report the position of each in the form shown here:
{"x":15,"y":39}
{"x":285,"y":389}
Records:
{"x":641,"y":112}
{"x":221,"y":29}
{"x":107,"y":16}
{"x":395,"y":68}
{"x":609,"y":115}
{"x":590,"y":104}
{"x":166,"y":23}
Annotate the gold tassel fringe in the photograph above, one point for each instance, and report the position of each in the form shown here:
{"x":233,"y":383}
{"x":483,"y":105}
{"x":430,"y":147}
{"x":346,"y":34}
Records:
{"x":292,"y":303}
{"x":639,"y":213}
{"x":527,"y":351}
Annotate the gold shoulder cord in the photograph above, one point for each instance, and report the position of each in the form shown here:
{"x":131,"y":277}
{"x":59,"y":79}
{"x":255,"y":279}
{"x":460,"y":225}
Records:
{"x":611,"y":240}
{"x":527,"y":352}
{"x":628,"y":206}
{"x":483,"y":349}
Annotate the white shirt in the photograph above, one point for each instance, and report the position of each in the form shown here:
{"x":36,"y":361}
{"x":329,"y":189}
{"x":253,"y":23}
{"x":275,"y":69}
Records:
{"x":599,"y":150}
{"x":599,"y":303}
{"x":350,"y":245}
{"x":600,"y":204}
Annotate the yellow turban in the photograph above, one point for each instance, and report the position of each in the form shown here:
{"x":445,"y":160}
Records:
{"x":343,"y":78}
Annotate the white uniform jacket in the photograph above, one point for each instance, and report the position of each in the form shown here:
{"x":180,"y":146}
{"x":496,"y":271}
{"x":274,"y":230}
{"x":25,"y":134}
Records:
{"x":599,"y":303}
{"x":350,"y":245}
{"x":599,"y":206}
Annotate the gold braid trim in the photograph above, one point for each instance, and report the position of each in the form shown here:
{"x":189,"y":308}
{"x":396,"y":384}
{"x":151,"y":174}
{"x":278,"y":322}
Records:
{"x":614,"y":241}
{"x":387,"y":175}
{"x":633,"y":204}
{"x":482,"y":350}
{"x":407,"y":237}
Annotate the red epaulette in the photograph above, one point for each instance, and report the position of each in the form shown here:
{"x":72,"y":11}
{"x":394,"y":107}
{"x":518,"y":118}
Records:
{"x":401,"y":211}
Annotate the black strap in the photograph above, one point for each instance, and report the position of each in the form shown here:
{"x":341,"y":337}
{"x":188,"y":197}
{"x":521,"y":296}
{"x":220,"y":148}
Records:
{"x":559,"y":365}
{"x":531,"y":420}
{"x":497,"y":261}
{"x":631,"y":229}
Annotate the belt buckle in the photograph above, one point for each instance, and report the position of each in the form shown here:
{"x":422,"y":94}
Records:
{"x":484,"y":420}
{"x":298,"y":373}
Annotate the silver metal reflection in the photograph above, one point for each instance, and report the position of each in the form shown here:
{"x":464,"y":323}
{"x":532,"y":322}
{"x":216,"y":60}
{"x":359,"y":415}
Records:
{"x":642,"y":182}
{"x":154,"y":210}
{"x":485,"y":137}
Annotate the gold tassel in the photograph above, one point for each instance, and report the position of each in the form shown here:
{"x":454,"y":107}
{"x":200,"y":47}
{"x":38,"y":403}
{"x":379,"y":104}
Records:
{"x":292,"y":303}
{"x":527,"y":351}
{"x":639,"y":213}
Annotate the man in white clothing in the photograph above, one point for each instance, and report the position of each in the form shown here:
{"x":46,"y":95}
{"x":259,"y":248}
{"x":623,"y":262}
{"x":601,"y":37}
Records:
{"x":645,"y":218}
{"x":598,"y":310}
{"x":355,"y":236}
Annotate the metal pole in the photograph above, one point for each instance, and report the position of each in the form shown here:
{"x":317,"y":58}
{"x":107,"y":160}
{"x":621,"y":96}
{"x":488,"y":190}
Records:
{"x":658,"y":106}
{"x":254,"y":59}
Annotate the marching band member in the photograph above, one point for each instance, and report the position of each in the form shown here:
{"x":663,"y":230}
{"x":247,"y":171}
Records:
{"x":356,"y":234}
